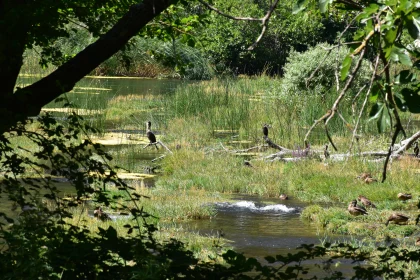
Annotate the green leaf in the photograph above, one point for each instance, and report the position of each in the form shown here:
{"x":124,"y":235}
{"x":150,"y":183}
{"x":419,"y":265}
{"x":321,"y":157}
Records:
{"x":299,"y":6}
{"x":405,"y":77}
{"x":323,"y":5}
{"x":345,"y":67}
{"x":400,"y":55}
{"x":412,"y":26}
{"x":374,"y":94}
{"x":379,"y":112}
{"x":391,"y":35}
{"x":399,"y":100}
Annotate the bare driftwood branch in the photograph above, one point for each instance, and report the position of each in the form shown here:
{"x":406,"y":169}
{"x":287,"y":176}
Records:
{"x":157,"y":143}
{"x":264,"y":20}
{"x":273,"y":145}
{"x":158,"y":158}
{"x":406,"y":144}
{"x":259,"y":147}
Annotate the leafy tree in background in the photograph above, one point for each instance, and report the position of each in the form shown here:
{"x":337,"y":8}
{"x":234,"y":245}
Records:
{"x":226,"y":40}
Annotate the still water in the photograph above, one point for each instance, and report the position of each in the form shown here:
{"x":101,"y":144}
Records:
{"x":259,"y":227}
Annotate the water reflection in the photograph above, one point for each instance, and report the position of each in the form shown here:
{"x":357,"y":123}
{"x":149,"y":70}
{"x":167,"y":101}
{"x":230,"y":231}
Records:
{"x":260,"y":228}
{"x":267,"y":227}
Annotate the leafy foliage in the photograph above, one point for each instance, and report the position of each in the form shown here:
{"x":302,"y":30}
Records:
{"x":225,"y":40}
{"x":323,"y":65}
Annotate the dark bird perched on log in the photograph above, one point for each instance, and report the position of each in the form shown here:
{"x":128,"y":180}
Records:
{"x":326,"y":153}
{"x":365,"y":201}
{"x":404,"y":196}
{"x":150,"y":135}
{"x":356,"y":210}
{"x":397,"y":218}
{"x":101,"y":215}
{"x":416,"y":149}
{"x":265,"y":129}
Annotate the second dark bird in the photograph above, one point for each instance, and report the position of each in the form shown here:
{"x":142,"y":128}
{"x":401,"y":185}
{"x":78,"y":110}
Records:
{"x":265,"y":130}
{"x":416,"y":149}
{"x":326,"y":153}
{"x":150,"y":135}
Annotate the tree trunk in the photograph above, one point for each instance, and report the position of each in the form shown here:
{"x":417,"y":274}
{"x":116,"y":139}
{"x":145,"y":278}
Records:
{"x":28,"y":101}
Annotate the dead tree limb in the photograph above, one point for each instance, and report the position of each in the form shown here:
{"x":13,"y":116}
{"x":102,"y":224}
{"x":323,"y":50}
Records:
{"x":407,"y":143}
{"x":264,"y":20}
{"x":157,"y":143}
{"x":273,"y":145}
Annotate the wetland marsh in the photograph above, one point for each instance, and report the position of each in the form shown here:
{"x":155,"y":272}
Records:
{"x":194,"y":191}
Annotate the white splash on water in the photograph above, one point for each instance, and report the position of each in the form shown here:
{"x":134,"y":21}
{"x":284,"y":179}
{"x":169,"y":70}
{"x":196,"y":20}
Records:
{"x":251,"y":205}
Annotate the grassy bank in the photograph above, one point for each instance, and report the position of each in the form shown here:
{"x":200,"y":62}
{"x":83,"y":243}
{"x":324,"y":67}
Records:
{"x":328,"y":186}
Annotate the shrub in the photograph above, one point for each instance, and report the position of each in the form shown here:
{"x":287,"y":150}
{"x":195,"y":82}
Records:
{"x":300,"y":66}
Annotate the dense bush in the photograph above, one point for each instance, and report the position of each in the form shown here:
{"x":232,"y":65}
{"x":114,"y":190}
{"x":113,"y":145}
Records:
{"x":300,"y":67}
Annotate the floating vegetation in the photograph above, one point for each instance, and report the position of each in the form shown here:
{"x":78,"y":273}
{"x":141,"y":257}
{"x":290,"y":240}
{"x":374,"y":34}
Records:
{"x":120,"y":139}
{"x":82,"y":112}
{"x":92,"y":88}
{"x":128,"y":175}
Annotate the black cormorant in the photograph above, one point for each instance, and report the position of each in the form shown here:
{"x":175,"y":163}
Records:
{"x":265,"y":130}
{"x":416,"y":149}
{"x":150,"y":135}
{"x":326,"y":153}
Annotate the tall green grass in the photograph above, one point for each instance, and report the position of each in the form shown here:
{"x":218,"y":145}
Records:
{"x":245,"y":104}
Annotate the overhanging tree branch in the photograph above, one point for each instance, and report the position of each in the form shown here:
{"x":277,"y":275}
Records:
{"x":263,"y":20}
{"x":28,"y":101}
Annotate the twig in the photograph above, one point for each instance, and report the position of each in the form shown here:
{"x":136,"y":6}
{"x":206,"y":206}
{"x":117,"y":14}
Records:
{"x":346,"y":86}
{"x":263,"y":20}
{"x":398,"y":126}
{"x":250,"y":149}
{"x":163,"y":145}
{"x":364,"y":102}
{"x":158,"y":158}
{"x":330,"y":113}
{"x":319,"y":66}
{"x":353,"y":103}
